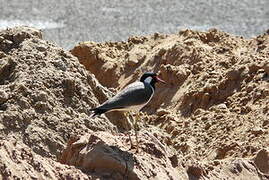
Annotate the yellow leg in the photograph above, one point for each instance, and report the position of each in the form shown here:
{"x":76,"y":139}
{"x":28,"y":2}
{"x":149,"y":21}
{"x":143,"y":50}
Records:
{"x":136,"y":130}
{"x":135,"y":126}
{"x":127,"y":115}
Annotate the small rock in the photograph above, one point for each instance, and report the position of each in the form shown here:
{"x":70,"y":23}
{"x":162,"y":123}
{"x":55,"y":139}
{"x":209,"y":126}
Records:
{"x":196,"y":171}
{"x":257,"y":131}
{"x":265,"y":123}
{"x":2,"y":54}
{"x":132,"y":61}
{"x":233,"y":75}
{"x":60,"y":65}
{"x":161,"y":112}
{"x":8,"y":42}
{"x":3,"y":96}
{"x":262,"y":161}
{"x":266,"y":67}
{"x":253,"y":68}
{"x":2,"y":38}
{"x":198,"y":111}
{"x":41,"y":48}
{"x":156,"y":35}
{"x":174,"y":160}
{"x":161,"y":52}
{"x":42,"y":96}
{"x":222,"y":106}
{"x":246,"y":109}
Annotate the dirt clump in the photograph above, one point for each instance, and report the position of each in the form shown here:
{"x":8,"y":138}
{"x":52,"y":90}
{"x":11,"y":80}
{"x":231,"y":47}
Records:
{"x":105,"y":155}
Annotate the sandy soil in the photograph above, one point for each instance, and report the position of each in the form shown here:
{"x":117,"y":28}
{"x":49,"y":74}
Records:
{"x":210,"y":121}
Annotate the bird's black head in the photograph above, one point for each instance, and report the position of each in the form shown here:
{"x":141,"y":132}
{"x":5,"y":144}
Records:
{"x":146,"y":75}
{"x":151,"y":77}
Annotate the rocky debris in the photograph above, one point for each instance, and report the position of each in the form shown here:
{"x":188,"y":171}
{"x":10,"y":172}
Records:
{"x":215,"y":103}
{"x":210,"y":121}
{"x":45,"y":98}
{"x":13,"y":37}
{"x":237,"y":169}
{"x":96,"y":57}
{"x":102,"y":154}
{"x":46,"y":95}
{"x":18,"y":161}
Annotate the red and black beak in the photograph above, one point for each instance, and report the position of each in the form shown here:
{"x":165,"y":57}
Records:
{"x":160,"y":80}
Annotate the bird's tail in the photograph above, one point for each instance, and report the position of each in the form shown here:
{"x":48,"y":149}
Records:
{"x":97,"y":111}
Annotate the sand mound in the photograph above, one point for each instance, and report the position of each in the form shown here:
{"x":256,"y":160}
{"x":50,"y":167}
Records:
{"x":215,"y":105}
{"x":45,"y":97}
{"x":209,"y":121}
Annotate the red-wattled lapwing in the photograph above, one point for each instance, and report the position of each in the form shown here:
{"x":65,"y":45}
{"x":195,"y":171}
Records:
{"x":132,"y":98}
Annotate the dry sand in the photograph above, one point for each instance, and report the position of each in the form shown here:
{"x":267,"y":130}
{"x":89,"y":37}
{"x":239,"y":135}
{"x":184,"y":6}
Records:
{"x":210,"y":121}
